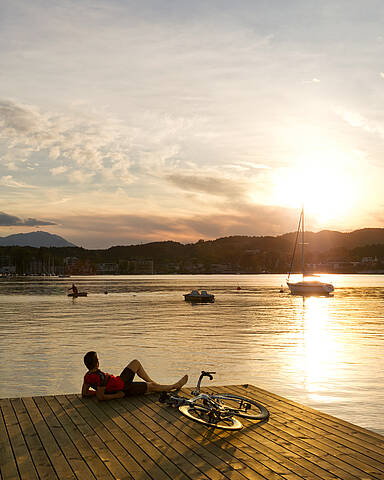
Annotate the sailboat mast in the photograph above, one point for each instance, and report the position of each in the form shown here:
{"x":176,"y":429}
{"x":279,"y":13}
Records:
{"x":302,"y":241}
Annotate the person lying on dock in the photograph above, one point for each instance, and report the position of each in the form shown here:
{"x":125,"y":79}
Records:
{"x":107,"y":387}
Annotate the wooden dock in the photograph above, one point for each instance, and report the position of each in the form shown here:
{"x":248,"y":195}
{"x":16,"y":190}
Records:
{"x":67,"y":437}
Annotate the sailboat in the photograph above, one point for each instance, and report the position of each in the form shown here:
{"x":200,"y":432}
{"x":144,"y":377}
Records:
{"x":306,"y":286}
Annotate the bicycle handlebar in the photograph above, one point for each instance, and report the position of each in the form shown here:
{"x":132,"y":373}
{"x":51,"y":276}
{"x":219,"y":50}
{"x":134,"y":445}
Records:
{"x":203,"y":374}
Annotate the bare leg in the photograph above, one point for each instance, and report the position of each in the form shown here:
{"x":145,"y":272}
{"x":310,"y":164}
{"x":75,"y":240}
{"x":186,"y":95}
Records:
{"x":136,"y":367}
{"x":156,"y":387}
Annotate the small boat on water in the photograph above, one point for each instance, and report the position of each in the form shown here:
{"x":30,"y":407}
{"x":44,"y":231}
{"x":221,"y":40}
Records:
{"x":78,"y":294}
{"x":196,"y":296}
{"x":310,"y":287}
{"x":307,"y":286}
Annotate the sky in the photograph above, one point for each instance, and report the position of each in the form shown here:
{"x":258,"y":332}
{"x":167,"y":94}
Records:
{"x":126,"y":122}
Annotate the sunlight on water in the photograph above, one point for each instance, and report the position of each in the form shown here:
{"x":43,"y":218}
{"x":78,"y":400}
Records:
{"x":317,"y":347}
{"x":323,"y":352}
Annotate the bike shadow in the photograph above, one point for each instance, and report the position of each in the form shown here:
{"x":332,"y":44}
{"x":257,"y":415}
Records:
{"x":221,"y":437}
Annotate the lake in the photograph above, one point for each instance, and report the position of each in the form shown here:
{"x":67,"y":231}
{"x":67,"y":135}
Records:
{"x":323,"y":352}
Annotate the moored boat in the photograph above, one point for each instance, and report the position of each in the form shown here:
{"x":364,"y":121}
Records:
{"x":307,"y":286}
{"x":310,"y":287}
{"x":196,"y":296}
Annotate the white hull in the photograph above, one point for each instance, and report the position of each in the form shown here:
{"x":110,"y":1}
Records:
{"x":310,"y":288}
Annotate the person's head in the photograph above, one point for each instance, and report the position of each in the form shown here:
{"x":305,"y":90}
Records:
{"x":91,"y":361}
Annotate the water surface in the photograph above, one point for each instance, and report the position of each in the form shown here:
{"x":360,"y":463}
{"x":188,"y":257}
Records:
{"x":323,"y":352}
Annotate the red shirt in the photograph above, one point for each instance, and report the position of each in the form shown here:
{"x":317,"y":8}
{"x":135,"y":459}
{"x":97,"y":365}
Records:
{"x":101,"y":379}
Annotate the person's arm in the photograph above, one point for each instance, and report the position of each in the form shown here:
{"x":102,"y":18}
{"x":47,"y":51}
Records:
{"x":101,"y":395}
{"x":86,"y":392}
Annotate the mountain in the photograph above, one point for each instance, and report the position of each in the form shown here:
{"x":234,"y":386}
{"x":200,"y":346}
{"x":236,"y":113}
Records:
{"x":35,"y":239}
{"x":328,"y":239}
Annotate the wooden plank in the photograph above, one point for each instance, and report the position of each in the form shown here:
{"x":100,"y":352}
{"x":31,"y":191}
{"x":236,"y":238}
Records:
{"x":346,"y":443}
{"x":367,"y":436}
{"x":254,"y":439}
{"x":67,"y":437}
{"x":286,"y":442}
{"x":166,"y":456}
{"x":239,"y":466}
{"x":88,"y":443}
{"x":336,"y":448}
{"x":8,"y":466}
{"x":81,"y":443}
{"x":23,"y":458}
{"x":128,"y":453}
{"x":184,"y":457}
{"x":49,"y":442}
{"x":106,"y":446}
{"x":98,"y":422}
{"x":68,"y":448}
{"x":195,"y":451}
{"x":36,"y":450}
{"x":131,"y":439}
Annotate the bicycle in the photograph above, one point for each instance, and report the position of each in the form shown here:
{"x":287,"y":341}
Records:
{"x":216,"y":409}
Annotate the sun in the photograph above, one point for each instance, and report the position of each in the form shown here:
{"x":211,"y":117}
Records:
{"x":325,"y":182}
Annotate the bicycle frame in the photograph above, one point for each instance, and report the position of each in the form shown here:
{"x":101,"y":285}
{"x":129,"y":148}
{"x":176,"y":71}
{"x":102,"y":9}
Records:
{"x":176,"y":400}
{"x":209,"y":409}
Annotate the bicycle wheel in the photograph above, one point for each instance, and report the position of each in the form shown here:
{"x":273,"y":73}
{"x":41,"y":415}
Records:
{"x":204,"y":415}
{"x":242,"y":406}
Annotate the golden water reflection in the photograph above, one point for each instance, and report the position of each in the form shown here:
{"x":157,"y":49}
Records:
{"x":317,"y":349}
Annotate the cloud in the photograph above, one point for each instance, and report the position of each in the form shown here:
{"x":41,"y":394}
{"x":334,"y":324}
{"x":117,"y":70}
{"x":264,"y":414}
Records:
{"x":100,"y":146}
{"x":77,"y":176}
{"x":58,"y":170}
{"x":313,"y":80}
{"x":79,"y":142}
{"x":209,"y":185}
{"x":7,"y":220}
{"x":104,"y":231}
{"x":9,"y":181}
{"x":357,"y":120}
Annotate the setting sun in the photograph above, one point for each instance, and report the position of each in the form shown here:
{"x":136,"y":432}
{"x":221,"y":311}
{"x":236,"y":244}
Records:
{"x":325,"y":182}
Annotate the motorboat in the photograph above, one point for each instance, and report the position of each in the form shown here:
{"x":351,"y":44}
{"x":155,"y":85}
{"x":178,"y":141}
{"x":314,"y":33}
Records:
{"x":196,"y":296}
{"x":308,"y":285}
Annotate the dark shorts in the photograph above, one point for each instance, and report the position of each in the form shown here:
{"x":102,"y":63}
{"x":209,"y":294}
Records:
{"x":131,"y":387}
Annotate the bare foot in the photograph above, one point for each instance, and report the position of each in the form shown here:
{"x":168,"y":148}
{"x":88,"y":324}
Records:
{"x":181,"y":382}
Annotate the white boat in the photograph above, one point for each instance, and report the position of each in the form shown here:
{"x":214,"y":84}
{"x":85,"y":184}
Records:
{"x":196,"y":296}
{"x":308,"y":285}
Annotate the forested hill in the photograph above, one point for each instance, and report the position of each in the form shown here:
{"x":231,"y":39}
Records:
{"x":328,"y":239}
{"x":230,"y":248}
{"x":321,"y":246}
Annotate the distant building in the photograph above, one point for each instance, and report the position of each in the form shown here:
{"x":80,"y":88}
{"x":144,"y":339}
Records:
{"x":5,"y":265}
{"x":36,"y":267}
{"x":222,"y":268}
{"x":107,"y":268}
{"x":369,"y":259}
{"x":140,"y":267}
{"x":76,"y":266}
